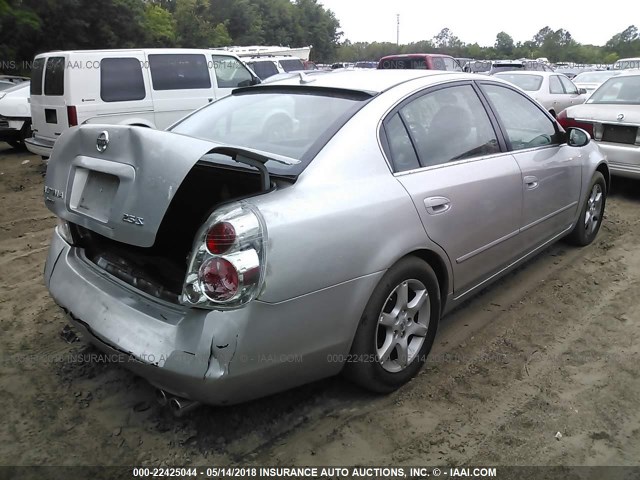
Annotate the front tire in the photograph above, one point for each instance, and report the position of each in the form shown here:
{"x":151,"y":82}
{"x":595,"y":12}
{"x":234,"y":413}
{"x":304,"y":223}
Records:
{"x":397,"y":328}
{"x":591,"y":213}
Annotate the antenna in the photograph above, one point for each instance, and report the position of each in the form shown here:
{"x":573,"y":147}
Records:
{"x":398,"y":29}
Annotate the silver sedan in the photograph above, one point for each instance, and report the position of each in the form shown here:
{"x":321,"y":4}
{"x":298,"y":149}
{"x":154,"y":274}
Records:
{"x":318,"y":225}
{"x":554,"y":91}
{"x":612,"y":117}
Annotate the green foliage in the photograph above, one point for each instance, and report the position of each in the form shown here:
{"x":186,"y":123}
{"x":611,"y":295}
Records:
{"x":28,"y":27}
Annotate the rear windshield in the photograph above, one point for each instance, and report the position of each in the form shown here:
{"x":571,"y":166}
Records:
{"x":624,"y":90}
{"x":410,"y":63}
{"x":292,"y":64}
{"x":54,"y":76}
{"x":593,"y":77}
{"x":530,"y":83}
{"x":285,"y":122}
{"x":507,"y":68}
{"x":36,"y":76}
{"x":264,"y":69}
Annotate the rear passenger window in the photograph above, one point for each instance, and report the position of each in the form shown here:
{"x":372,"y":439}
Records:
{"x":179,"y":71}
{"x":36,"y":76}
{"x":526,"y":125}
{"x":121,"y":80}
{"x":54,"y":76}
{"x":401,"y":148}
{"x":449,"y":124}
{"x":554,"y":84}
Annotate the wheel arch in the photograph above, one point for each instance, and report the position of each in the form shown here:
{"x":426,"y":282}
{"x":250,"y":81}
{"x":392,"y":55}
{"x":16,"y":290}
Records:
{"x":439,"y":266}
{"x":603,"y":168}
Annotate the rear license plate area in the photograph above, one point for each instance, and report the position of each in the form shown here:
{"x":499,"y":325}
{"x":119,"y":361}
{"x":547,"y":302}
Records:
{"x":93,"y":192}
{"x":619,"y":134}
{"x":50,"y":115}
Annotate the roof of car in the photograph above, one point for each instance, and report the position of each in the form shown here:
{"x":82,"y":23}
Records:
{"x":528,"y":72}
{"x":405,"y":55}
{"x":368,"y":80}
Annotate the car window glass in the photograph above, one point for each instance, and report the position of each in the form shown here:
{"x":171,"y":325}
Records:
{"x":437,"y":63}
{"x":264,"y":69}
{"x":449,"y":124}
{"x":291,"y":65}
{"x":179,"y":71}
{"x":402,"y":152}
{"x":618,"y":90}
{"x":54,"y":76}
{"x":230,"y":73}
{"x":452,"y":65}
{"x":36,"y":76}
{"x":525,"y":124}
{"x":569,"y":87}
{"x":121,"y":80}
{"x":554,"y":84}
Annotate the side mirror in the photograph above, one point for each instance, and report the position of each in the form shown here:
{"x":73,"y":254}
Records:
{"x":582,"y":91}
{"x":578,"y":137}
{"x":256,"y":81}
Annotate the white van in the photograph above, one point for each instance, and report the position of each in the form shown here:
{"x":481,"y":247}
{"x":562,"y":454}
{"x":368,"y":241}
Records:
{"x":146,"y":87}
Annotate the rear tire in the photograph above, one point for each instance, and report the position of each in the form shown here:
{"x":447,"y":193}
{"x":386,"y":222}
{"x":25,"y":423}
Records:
{"x":397,"y":328}
{"x":591,"y":213}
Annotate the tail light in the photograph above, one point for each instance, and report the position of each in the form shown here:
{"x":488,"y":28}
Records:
{"x":567,"y":122}
{"x":72,"y":116}
{"x":227,"y":264}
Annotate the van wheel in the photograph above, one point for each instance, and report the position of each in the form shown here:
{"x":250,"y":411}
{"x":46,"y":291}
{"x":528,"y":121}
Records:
{"x":591,"y":213}
{"x":397,"y":328}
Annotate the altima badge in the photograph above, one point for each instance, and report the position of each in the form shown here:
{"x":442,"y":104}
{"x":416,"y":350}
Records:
{"x":620,"y":117}
{"x":103,"y":141}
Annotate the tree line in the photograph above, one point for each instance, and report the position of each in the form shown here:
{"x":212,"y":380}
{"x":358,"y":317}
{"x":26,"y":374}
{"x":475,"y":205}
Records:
{"x":556,"y":45}
{"x":28,"y":27}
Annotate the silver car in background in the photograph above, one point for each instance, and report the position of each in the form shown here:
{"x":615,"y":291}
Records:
{"x":592,"y":80}
{"x":299,"y":229}
{"x":554,"y":91}
{"x":612,"y":116}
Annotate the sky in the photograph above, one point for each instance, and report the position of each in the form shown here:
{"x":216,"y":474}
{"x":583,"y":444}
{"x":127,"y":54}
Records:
{"x":588,"y":21}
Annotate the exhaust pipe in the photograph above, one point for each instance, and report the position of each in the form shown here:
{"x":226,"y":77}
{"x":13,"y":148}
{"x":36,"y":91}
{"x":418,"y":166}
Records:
{"x":181,"y":406}
{"x":161,"y":397}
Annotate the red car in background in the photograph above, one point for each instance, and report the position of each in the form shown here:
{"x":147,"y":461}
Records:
{"x":419,"y":61}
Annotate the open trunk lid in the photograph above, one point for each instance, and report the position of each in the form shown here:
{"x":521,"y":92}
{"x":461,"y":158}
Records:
{"x":119,"y":181}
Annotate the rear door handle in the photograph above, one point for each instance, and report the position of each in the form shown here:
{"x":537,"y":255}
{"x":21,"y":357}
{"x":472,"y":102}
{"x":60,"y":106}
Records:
{"x":437,"y":205}
{"x":531,"y":182}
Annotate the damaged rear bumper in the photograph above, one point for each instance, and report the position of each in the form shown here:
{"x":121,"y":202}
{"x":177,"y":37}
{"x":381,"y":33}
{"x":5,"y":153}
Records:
{"x":213,"y":357}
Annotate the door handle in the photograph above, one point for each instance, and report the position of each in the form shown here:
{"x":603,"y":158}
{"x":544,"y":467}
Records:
{"x":437,"y":205}
{"x":531,"y":182}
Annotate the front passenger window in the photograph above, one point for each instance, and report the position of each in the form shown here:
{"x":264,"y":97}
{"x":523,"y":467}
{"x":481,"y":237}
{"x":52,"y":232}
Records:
{"x":525,"y":124}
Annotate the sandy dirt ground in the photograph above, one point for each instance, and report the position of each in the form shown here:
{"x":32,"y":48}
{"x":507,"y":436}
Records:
{"x":553,"y":347}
